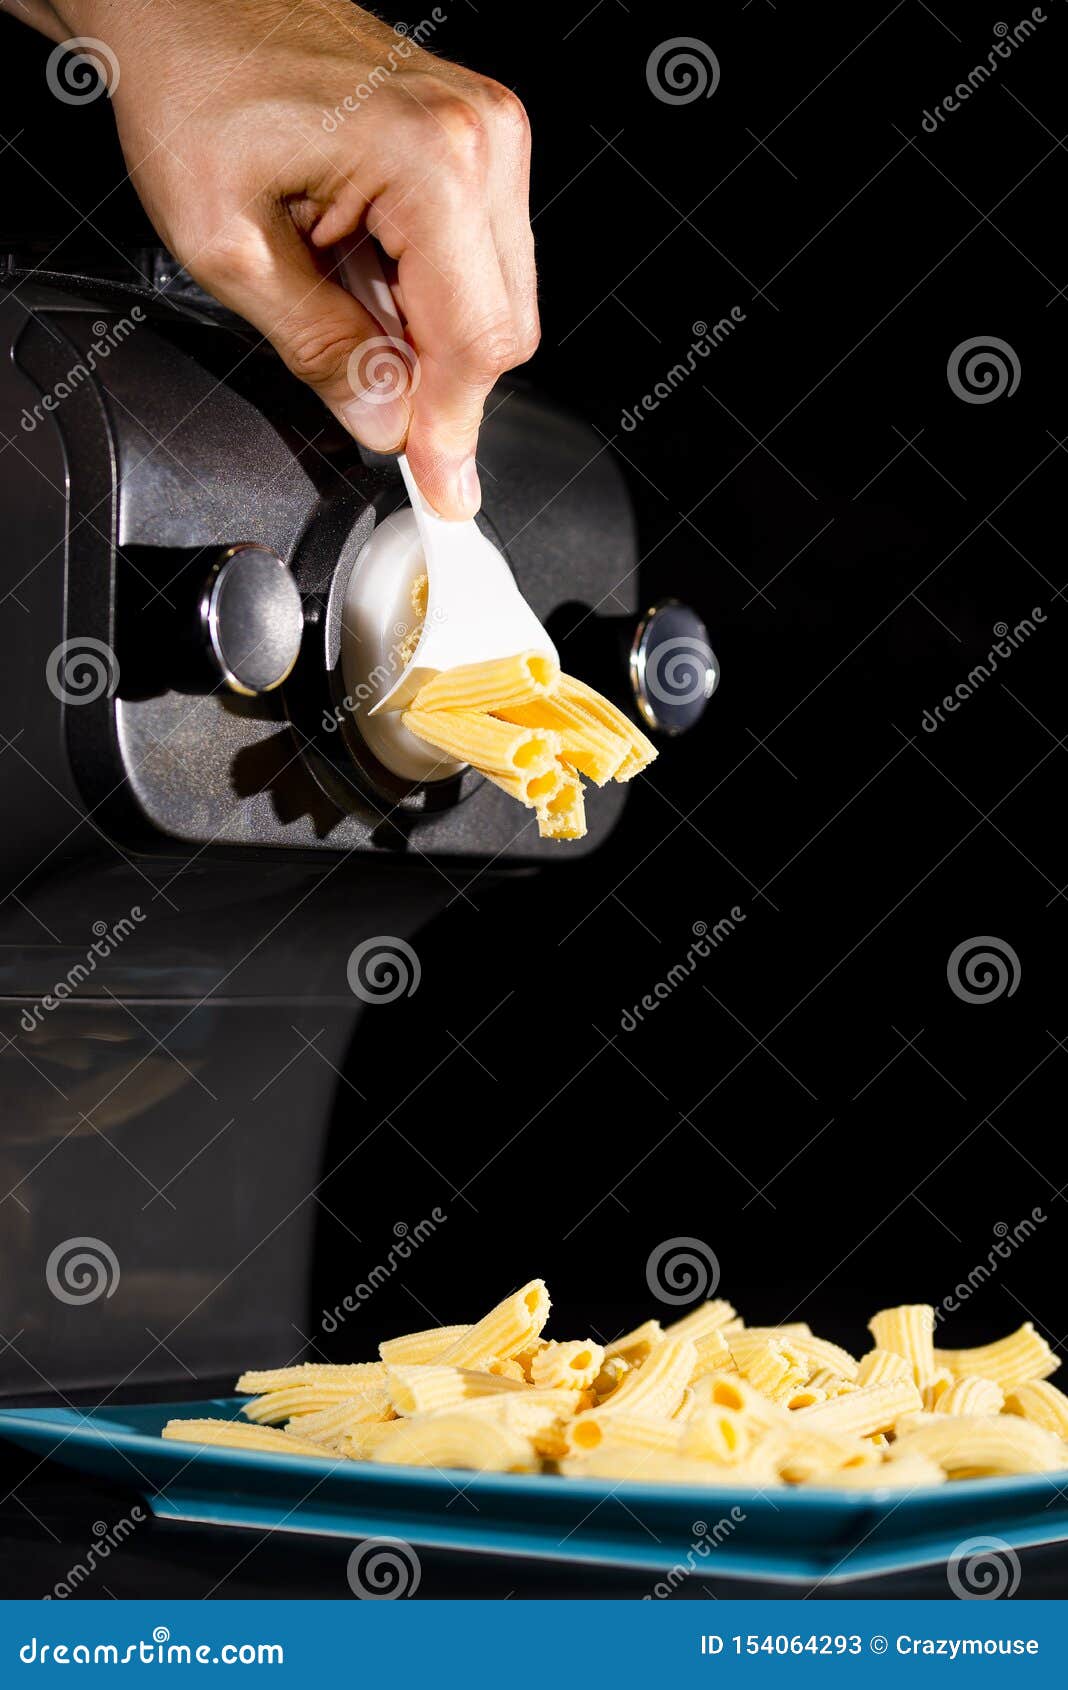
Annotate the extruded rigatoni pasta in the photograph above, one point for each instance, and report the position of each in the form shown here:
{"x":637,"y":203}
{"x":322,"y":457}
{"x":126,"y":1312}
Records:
{"x":493,"y":685}
{"x":704,"y":1401}
{"x":1016,"y":1360}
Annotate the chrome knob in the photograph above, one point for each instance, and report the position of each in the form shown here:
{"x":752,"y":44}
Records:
{"x":673,"y":669}
{"x":251,"y":619}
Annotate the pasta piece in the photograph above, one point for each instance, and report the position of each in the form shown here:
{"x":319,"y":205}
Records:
{"x":588,"y":1431}
{"x":509,"y":1368}
{"x":419,"y":597}
{"x":718,"y":1434}
{"x":833,"y":1385}
{"x":413,"y":1389}
{"x":572,"y":1365}
{"x":562,"y":814}
{"x":456,"y":1439}
{"x":343,"y":1416}
{"x":610,"y":1375}
{"x":971,"y":1396}
{"x":702,"y":1321}
{"x":531,"y":790}
{"x":656,"y":1386}
{"x":1041,"y":1402}
{"x":493,"y":685}
{"x":300,"y":1400}
{"x":909,"y":1472}
{"x":657,"y":1467}
{"x":234,"y":1434}
{"x":768,"y":1364}
{"x":873,"y":1408}
{"x":593,"y":749}
{"x":936,"y":1387}
{"x":635,"y":1346}
{"x":730,"y":1390}
{"x":801,"y":1453}
{"x":979,"y":1446}
{"x":713,"y":1355}
{"x":417,"y":1347}
{"x":803,"y":1396}
{"x":525,"y":1359}
{"x":1016,"y":1360}
{"x":357,"y":1375}
{"x":641,"y":750}
{"x":511,"y":1326}
{"x":471,"y":736}
{"x":791,"y":1329}
{"x":878,"y":1366}
{"x":909,"y":1332}
{"x":820,"y":1353}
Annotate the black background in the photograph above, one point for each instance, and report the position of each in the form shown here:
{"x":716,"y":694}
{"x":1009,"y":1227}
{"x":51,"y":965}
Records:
{"x":815,"y":1104}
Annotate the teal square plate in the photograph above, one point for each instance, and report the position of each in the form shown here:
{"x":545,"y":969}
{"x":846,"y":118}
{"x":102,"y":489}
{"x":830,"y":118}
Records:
{"x":798,"y":1534}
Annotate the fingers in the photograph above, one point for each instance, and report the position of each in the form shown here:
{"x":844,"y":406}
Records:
{"x":324,"y":336}
{"x":455,"y":222}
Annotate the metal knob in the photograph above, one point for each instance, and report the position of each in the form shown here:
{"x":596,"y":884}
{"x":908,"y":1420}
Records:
{"x":251,"y":619}
{"x":673,"y":669}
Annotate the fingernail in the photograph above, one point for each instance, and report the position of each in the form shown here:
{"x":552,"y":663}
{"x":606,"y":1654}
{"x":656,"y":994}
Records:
{"x":469,"y":490}
{"x":382,"y":428}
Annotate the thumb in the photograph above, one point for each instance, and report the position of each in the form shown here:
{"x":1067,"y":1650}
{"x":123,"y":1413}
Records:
{"x":326,"y":338}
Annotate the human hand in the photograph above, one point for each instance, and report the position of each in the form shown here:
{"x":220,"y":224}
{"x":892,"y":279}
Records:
{"x":263,"y":135}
